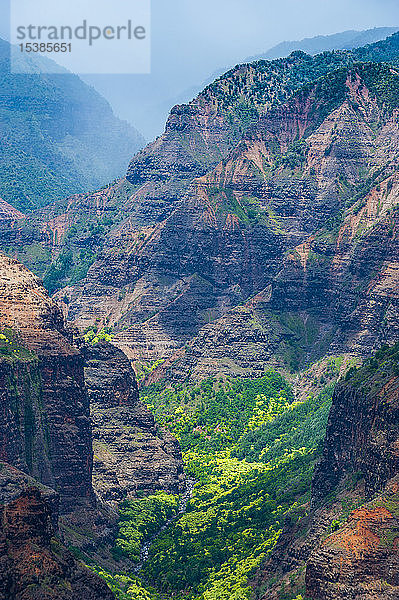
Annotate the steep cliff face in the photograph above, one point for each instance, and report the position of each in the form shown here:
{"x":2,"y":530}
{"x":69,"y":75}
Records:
{"x":131,"y":453}
{"x":45,"y":426}
{"x":296,"y":171}
{"x":246,"y":173}
{"x":336,"y":290}
{"x":347,"y":538}
{"x":361,"y":559}
{"x":363,"y":428}
{"x":33,"y":564}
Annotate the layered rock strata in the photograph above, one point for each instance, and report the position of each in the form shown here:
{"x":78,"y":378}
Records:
{"x":131,"y":453}
{"x":361,"y":559}
{"x":44,"y":418}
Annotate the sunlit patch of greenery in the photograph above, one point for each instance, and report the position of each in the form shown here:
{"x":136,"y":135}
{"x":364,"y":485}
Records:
{"x":93,"y":335}
{"x":11,"y":346}
{"x":144,"y":369}
{"x":251,"y":448}
{"x":212,"y":415}
{"x":126,"y":587}
{"x":141,"y":518}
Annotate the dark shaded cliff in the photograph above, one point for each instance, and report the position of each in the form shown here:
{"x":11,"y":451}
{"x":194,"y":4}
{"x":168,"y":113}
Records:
{"x":361,"y":560}
{"x":45,"y":424}
{"x":131,"y":453}
{"x":33,"y":563}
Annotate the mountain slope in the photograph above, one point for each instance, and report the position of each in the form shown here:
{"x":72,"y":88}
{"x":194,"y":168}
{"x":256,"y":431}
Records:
{"x":58,"y":137}
{"x":226,"y":240}
{"x":204,"y":222}
{"x":347,"y":538}
{"x":260,"y":230}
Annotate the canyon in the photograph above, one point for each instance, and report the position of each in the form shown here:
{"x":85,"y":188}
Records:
{"x":255,"y":240}
{"x":46,"y":441}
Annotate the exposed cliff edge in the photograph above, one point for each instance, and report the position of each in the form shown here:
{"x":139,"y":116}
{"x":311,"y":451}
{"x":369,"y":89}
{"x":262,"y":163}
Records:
{"x":45,"y":442}
{"x":47,"y":383}
{"x":44,"y":421}
{"x":361,"y":559}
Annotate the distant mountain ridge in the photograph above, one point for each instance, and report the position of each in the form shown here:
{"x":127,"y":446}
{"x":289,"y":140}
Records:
{"x":58,"y":137}
{"x":347,"y":40}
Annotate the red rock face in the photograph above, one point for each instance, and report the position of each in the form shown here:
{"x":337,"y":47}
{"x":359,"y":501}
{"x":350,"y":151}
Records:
{"x":33,"y":564}
{"x":361,"y":559}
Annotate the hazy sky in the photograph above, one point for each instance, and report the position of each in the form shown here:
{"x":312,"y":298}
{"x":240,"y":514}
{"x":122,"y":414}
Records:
{"x":193,"y":38}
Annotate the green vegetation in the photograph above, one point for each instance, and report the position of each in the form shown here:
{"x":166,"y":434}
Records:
{"x":295,"y":156}
{"x":11,"y":347}
{"x":213,"y":414}
{"x":60,"y":137}
{"x":383,"y":81}
{"x":139,"y":519}
{"x":251,"y":449}
{"x":93,"y":335}
{"x":233,"y":521}
{"x":376,"y":370}
{"x":245,"y":208}
{"x":126,"y":587}
{"x":57,"y":271}
{"x":248,"y":90}
{"x":143,"y":369}
{"x":68,"y":267}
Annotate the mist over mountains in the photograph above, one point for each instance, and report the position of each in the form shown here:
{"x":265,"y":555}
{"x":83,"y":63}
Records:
{"x":58,"y":136}
{"x":147,"y":100}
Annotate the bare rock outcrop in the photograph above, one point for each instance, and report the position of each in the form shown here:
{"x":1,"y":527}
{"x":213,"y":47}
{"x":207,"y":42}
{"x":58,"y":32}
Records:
{"x":360,"y":561}
{"x":34,"y":565}
{"x":44,"y":418}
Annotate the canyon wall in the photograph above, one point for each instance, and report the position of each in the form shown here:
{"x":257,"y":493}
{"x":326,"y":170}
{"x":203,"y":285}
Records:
{"x":45,"y":423}
{"x":131,"y":453}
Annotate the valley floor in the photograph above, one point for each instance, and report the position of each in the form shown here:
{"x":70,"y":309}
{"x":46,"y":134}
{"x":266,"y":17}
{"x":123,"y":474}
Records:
{"x":251,"y":448}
